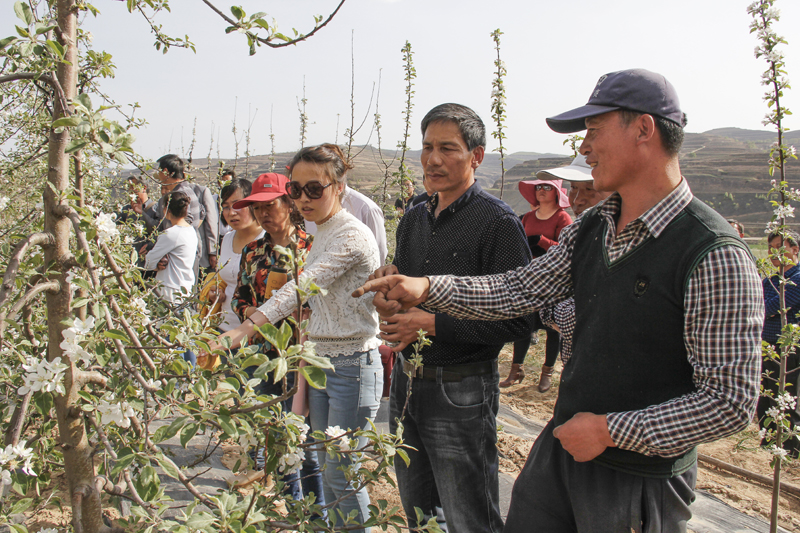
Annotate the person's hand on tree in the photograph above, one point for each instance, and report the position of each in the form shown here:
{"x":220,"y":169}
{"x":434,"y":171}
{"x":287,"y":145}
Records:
{"x":163,"y":263}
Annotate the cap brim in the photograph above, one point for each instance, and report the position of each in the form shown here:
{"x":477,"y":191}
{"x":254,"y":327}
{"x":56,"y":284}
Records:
{"x":575,"y":120}
{"x":260,"y":197}
{"x":568,"y":173}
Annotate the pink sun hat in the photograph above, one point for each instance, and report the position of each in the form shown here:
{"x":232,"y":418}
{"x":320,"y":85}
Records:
{"x":528,"y":191}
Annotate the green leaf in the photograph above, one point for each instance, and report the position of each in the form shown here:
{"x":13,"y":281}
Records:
{"x":262,"y":371}
{"x":169,"y":468}
{"x":315,"y":376}
{"x":116,"y":334}
{"x":23,"y":12}
{"x":74,"y":145}
{"x":84,"y":100}
{"x":56,"y":48}
{"x":280,"y":369}
{"x":189,"y":431}
{"x":200,"y":521}
{"x":21,"y":506}
{"x":238,"y":12}
{"x":43,"y":402}
{"x":80,"y":302}
{"x":270,"y":333}
{"x":8,"y":40}
{"x":147,"y":483}
{"x":320,"y":362}
{"x":64,"y":122}
{"x":124,"y":459}
{"x":227,"y":425}
{"x":167,"y":432}
{"x":254,"y":360}
{"x":44,"y":28}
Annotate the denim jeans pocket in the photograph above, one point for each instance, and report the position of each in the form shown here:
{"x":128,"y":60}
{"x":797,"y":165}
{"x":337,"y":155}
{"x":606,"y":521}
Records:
{"x":468,"y":392}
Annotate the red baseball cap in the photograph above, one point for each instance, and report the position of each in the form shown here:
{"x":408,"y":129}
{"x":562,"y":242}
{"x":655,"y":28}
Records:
{"x":265,"y":189}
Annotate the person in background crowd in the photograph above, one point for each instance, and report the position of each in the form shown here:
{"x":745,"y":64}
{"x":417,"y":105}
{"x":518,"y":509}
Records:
{"x":344,"y":329}
{"x":543,"y":224}
{"x":582,"y":196}
{"x":450,"y":422}
{"x":244,"y":230}
{"x":134,"y":212}
{"x":367,"y":212}
{"x":635,"y":399}
{"x":226,"y":176}
{"x":201,"y":207}
{"x":405,"y":200}
{"x":276,"y":215}
{"x":179,"y":243}
{"x":771,"y":368}
{"x":423,"y":196}
{"x":737,"y":226}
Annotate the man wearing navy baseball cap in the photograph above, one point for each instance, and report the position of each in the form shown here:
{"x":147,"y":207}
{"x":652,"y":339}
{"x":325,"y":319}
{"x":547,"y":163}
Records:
{"x":666,"y":349}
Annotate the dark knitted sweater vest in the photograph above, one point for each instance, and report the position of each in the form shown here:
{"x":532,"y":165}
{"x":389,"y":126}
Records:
{"x":628,"y":348}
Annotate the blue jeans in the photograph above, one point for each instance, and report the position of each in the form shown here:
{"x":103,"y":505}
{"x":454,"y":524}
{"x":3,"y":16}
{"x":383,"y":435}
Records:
{"x":452,"y":426}
{"x":351,"y":398}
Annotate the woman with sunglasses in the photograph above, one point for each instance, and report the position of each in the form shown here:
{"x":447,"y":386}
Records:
{"x":543,"y":224}
{"x":345,"y":329}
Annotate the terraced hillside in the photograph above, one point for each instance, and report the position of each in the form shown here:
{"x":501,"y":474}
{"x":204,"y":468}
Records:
{"x":726,"y":168}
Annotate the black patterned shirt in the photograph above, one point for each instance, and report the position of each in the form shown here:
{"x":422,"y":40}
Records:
{"x":475,"y":235}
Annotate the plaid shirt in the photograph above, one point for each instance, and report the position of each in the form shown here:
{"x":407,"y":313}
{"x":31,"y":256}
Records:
{"x":723,"y":314}
{"x":562,"y":318}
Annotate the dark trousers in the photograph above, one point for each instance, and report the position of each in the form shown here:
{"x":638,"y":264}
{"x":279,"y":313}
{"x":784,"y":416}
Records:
{"x":522,"y":345}
{"x":454,"y":463}
{"x":556,"y":494}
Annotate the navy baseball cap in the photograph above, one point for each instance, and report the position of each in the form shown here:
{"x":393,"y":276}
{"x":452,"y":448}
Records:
{"x":636,"y":89}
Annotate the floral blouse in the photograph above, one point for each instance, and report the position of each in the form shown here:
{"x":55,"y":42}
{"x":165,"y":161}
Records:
{"x":257,"y":258}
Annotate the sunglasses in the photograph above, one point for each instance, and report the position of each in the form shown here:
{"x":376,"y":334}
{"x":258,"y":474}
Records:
{"x":541,"y":187}
{"x":313,"y":190}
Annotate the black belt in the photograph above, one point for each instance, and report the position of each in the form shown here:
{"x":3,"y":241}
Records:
{"x":450,"y":373}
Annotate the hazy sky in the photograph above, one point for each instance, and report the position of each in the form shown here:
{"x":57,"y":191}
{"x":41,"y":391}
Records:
{"x":554,"y":53}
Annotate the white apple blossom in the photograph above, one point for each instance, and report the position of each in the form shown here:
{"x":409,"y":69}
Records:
{"x":5,"y":477}
{"x":106,"y":227}
{"x":774,"y":450}
{"x":4,"y":202}
{"x":82,"y":327}
{"x":118,"y":413}
{"x":784,"y":211}
{"x":291,"y":462}
{"x":43,"y":376}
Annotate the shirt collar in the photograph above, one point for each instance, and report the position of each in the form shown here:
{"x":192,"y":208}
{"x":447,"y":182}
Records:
{"x":660,"y":215}
{"x":462,"y":200}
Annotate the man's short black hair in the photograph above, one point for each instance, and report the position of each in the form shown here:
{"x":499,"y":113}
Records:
{"x":173,"y":165}
{"x":469,"y":123}
{"x":788,"y":236}
{"x":228,"y":172}
{"x":671,"y":132}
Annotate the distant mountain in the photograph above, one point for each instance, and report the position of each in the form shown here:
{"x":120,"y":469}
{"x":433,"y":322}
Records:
{"x":725,"y":167}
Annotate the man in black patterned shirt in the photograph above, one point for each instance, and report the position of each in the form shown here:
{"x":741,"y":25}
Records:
{"x":666,"y":351}
{"x":450,"y":421}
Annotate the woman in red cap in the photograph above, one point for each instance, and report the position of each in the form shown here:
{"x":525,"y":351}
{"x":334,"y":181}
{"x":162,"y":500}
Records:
{"x":344,"y":329}
{"x":543,"y":223}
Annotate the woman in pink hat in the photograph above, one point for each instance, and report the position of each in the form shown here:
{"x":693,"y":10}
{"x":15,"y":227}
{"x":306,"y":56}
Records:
{"x":543,"y":224}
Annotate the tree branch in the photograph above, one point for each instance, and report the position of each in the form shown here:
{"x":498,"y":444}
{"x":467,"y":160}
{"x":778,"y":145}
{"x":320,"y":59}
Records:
{"x":50,"y":286}
{"x":17,"y":420}
{"x":50,"y":80}
{"x":268,"y":41}
{"x":83,"y":378}
{"x":37,"y":239}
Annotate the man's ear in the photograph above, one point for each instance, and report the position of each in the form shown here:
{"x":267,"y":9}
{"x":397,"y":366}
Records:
{"x":645,"y":128}
{"x":477,"y":156}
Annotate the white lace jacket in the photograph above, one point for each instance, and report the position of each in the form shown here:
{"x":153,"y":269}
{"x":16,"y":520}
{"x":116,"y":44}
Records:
{"x":341,"y":259}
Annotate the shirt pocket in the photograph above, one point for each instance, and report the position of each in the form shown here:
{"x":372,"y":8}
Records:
{"x":460,"y":262}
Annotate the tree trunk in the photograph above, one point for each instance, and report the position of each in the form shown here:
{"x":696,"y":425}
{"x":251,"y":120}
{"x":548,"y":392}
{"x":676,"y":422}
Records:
{"x":78,"y":464}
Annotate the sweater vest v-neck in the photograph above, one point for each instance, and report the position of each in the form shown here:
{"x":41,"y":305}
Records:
{"x":628,"y":345}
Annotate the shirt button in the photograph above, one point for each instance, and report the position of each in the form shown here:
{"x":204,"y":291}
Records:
{"x":454,"y":254}
{"x":433,"y":233}
{"x":427,"y":261}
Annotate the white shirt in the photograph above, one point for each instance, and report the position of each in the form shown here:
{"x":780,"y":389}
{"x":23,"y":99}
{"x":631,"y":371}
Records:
{"x":368,"y":212}
{"x":180,"y":244}
{"x":341,"y":259}
{"x":229,"y":263}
